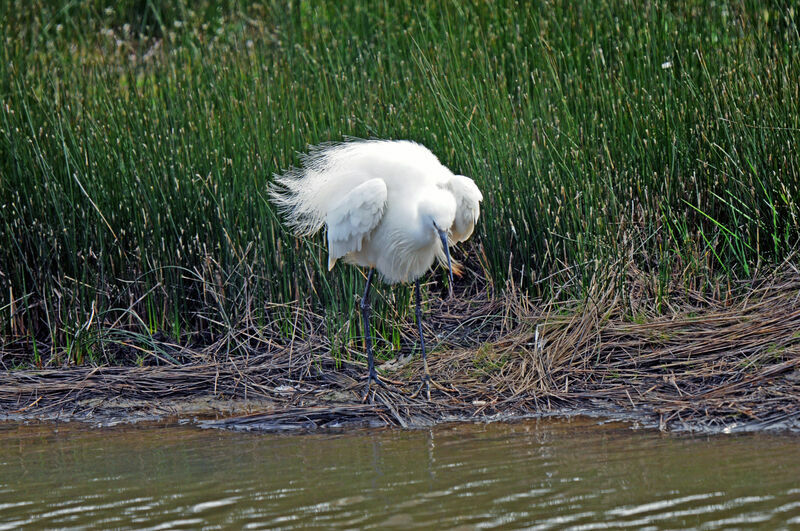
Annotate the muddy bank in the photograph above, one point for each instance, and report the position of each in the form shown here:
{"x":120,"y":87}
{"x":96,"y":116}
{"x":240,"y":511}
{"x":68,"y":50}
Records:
{"x":711,"y":364}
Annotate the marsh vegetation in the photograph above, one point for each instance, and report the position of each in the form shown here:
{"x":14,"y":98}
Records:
{"x":644,"y":156}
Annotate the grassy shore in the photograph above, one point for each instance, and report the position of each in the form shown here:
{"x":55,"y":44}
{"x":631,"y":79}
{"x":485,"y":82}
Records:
{"x":617,"y":146}
{"x":711,"y":366}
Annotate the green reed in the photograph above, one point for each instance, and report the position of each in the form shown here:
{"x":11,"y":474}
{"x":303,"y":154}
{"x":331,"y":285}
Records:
{"x":137,"y":143}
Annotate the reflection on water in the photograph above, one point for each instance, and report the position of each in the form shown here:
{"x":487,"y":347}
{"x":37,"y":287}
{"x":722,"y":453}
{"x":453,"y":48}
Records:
{"x":541,"y":474}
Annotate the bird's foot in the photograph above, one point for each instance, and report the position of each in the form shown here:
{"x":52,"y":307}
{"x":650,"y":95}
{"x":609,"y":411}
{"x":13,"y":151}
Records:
{"x":372,"y":377}
{"x":427,"y":381}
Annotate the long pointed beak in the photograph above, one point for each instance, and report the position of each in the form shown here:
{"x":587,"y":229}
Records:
{"x":443,"y":236}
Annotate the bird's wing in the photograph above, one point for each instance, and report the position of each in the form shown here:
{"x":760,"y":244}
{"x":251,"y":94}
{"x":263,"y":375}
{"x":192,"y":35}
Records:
{"x":354,"y":217}
{"x":468,"y":199}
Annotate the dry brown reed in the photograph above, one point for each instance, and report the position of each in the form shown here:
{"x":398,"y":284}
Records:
{"x":720,"y":362}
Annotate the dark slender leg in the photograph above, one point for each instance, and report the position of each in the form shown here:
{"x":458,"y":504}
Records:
{"x":365,"y":311}
{"x":426,"y":378}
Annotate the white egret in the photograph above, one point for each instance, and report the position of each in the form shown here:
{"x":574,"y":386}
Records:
{"x":386,"y":205}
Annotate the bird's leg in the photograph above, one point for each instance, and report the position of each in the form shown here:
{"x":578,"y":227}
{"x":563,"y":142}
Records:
{"x":426,"y":378}
{"x":365,"y":311}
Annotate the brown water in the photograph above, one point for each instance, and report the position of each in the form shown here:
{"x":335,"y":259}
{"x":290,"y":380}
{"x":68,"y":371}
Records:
{"x":542,"y":474}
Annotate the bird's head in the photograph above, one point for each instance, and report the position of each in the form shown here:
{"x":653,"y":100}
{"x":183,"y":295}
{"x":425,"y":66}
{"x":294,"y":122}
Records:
{"x":437,"y":212}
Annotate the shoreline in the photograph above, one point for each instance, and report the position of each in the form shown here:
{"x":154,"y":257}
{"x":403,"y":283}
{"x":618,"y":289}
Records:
{"x":709,"y":366}
{"x":267,"y":416}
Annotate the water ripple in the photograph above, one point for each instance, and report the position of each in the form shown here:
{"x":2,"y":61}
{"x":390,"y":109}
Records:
{"x":542,"y":475}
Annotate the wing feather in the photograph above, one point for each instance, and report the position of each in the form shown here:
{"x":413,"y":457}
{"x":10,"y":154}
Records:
{"x":354,"y":218}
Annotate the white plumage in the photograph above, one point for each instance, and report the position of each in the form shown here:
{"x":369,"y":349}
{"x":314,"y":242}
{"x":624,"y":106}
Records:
{"x":381,"y":202}
{"x":387,"y":205}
